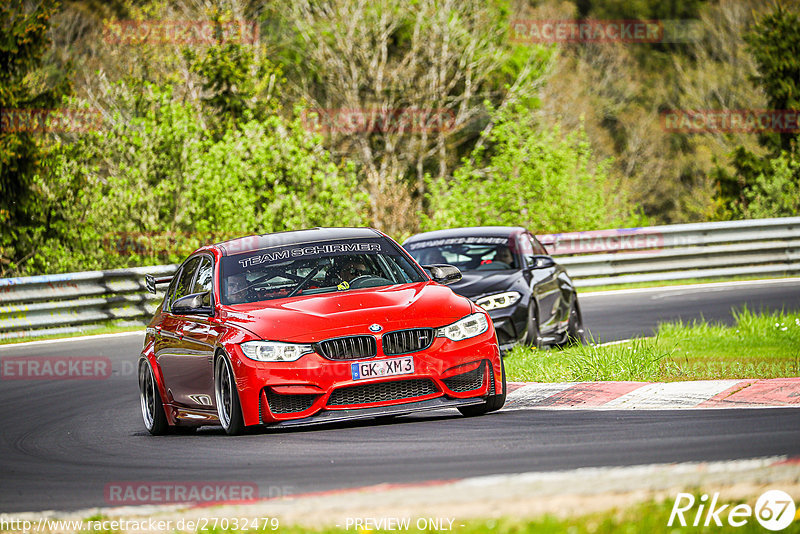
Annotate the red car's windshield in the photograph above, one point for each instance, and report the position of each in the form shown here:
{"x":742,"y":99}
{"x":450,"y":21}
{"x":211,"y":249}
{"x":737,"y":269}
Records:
{"x":310,"y":268}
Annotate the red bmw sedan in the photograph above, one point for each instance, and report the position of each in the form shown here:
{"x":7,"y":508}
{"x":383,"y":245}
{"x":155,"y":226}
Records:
{"x":313,"y":326}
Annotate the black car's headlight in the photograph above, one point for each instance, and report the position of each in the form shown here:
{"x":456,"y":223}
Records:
{"x":274,"y":351}
{"x":470,"y":326}
{"x":499,"y":300}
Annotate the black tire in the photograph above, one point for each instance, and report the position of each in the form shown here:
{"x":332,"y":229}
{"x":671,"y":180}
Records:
{"x":493,"y":402}
{"x":226,"y":396}
{"x":576,"y":334}
{"x":534,"y":336}
{"x":155,"y":419}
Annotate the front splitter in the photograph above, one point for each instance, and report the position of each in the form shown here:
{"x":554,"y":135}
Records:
{"x":335,"y":416}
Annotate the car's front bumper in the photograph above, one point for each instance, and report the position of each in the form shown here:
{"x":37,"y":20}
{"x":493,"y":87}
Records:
{"x":315,"y":389}
{"x":511,"y":325}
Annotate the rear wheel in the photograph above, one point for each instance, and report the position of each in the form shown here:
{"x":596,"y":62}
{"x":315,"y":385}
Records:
{"x":493,"y":402}
{"x":155,"y":420}
{"x":227,"y":396}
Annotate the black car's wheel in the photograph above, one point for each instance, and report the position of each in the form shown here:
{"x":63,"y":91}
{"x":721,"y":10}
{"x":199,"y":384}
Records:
{"x":155,"y":420}
{"x":534,"y":336}
{"x":228,"y":408}
{"x":575,"y":330}
{"x":493,"y":402}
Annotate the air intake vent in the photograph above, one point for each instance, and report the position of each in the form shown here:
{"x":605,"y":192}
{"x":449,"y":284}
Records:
{"x":348,"y":348}
{"x":405,"y":341}
{"x":289,"y":403}
{"x":383,"y":391}
{"x":468,"y":381}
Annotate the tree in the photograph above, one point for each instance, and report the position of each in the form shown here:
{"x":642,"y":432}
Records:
{"x":528,"y":176}
{"x":24,"y":93}
{"x":774,"y":43}
{"x":399,"y":87}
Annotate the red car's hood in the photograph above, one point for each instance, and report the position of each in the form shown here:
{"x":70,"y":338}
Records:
{"x":318,"y":317}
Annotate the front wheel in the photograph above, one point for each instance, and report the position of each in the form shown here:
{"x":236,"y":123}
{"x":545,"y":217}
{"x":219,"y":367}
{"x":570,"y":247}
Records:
{"x":533,"y":336}
{"x":155,"y":420}
{"x":227,"y":396}
{"x":576,"y":333}
{"x":493,"y":402}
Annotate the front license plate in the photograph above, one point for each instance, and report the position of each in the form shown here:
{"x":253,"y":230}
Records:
{"x":396,"y":366}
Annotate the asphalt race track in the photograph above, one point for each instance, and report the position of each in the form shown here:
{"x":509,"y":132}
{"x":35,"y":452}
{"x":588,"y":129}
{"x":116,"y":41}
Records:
{"x":63,"y":442}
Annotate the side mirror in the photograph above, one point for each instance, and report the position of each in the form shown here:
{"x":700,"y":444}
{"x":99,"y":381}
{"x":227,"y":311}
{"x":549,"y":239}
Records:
{"x":541,"y":262}
{"x":196,"y":303}
{"x":443,"y":273}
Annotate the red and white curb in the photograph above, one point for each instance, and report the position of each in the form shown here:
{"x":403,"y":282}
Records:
{"x":775,"y":392}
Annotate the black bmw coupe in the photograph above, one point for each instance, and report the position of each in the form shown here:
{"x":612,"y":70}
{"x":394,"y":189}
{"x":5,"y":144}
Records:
{"x":507,"y":271}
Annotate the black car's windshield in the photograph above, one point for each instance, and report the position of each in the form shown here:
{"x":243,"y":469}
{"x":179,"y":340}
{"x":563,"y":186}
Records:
{"x":311,"y":268}
{"x":466,"y":253}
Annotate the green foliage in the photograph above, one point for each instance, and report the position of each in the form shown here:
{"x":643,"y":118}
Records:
{"x":237,"y":81}
{"x":775,"y":193}
{"x":23,"y":44}
{"x":527,"y":176}
{"x":171,"y":187}
{"x":774,"y":42}
{"x":768,"y":186}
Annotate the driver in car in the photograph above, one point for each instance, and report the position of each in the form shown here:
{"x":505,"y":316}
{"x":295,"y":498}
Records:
{"x":503,"y":253}
{"x":236,"y":287}
{"x":352,"y":270}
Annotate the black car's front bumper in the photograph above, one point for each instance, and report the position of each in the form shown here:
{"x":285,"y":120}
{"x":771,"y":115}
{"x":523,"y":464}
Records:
{"x":511,"y":325}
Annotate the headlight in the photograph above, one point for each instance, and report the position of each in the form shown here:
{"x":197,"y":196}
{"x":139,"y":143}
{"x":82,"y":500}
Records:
{"x":273,"y":351}
{"x":500,"y":300}
{"x":469,"y":326}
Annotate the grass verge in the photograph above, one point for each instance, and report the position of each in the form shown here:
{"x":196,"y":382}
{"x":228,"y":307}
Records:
{"x":758,"y":346}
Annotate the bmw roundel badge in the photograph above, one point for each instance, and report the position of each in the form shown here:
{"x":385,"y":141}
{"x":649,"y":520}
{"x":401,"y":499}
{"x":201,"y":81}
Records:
{"x":375,"y":328}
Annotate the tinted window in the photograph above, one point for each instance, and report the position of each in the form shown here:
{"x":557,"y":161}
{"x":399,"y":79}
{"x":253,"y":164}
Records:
{"x":467,"y":253}
{"x":313,"y":268}
{"x":202,"y":282}
{"x":185,"y":281}
{"x":538,"y":248}
{"x":170,"y":292}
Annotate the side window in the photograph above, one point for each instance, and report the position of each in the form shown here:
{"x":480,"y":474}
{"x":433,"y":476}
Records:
{"x":185,"y":281}
{"x":202,"y":282}
{"x":538,"y":248}
{"x":170,"y":291}
{"x":526,"y":248}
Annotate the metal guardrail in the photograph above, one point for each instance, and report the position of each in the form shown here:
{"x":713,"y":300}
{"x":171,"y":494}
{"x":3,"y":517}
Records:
{"x":53,"y":304}
{"x":72,"y":302}
{"x":762,"y":247}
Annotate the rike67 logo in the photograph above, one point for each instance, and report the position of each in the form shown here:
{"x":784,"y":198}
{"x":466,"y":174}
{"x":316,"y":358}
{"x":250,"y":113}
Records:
{"x":774,"y":510}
